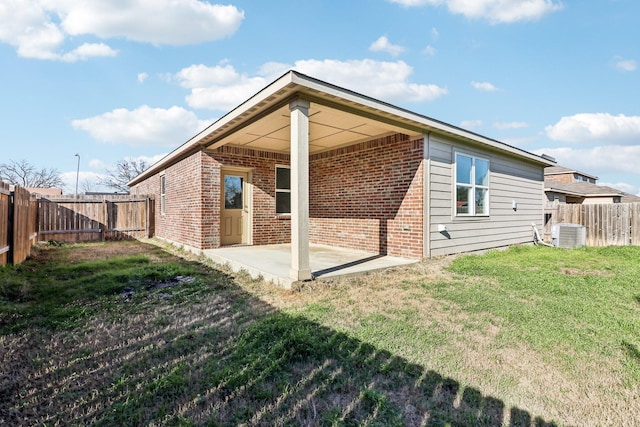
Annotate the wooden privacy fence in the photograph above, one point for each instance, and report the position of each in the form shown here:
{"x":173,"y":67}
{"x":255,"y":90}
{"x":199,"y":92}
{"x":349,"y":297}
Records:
{"x":18,"y":224}
{"x":611,"y":224}
{"x":94,"y":218}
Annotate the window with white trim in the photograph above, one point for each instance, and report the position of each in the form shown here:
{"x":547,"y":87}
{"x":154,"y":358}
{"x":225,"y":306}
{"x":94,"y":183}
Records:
{"x":163,"y":205}
{"x":283,"y":190}
{"x":472,"y":186}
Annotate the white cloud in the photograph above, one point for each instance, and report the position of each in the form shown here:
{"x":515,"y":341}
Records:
{"x":97,"y":164}
{"x":510,"y":125}
{"x":148,"y":159}
{"x":88,"y":50}
{"x":384,"y":45}
{"x":601,"y":127}
{"x":622,"y":186}
{"x":143,"y":126}
{"x":429,"y":50}
{"x":85,"y":179}
{"x":626,"y":64}
{"x":602,"y":160}
{"x":41,"y":28}
{"x":471,"y":124}
{"x":142,"y":77}
{"x":435,"y":33}
{"x":494,"y":11}
{"x":484,"y":86}
{"x":387,"y":81}
{"x":221,"y":87}
{"x":159,"y":21}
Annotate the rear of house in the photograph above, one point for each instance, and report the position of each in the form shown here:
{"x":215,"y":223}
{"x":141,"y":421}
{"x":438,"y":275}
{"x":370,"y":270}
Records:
{"x":306,"y":162}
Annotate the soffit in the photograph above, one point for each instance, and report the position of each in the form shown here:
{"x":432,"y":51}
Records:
{"x":329,"y":128}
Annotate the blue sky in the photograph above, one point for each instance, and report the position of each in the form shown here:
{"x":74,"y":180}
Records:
{"x":135,"y":79}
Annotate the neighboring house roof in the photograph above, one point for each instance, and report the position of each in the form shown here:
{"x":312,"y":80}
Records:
{"x":105,"y":193}
{"x":586,"y":189}
{"x":338,"y":117}
{"x":561,"y":170}
{"x":582,"y":189}
{"x":52,"y":191}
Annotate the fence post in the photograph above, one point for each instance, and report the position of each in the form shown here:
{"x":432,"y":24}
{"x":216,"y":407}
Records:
{"x":5,"y":225}
{"x":105,"y":222}
{"x":11,"y":229}
{"x":146,"y":227}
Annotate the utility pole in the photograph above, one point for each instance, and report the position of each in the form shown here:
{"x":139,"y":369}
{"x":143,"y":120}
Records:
{"x":77,"y":173}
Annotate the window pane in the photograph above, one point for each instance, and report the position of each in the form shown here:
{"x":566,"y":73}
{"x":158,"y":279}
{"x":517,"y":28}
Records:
{"x":463,"y":169}
{"x":283,"y":203}
{"x":232,"y":192}
{"x":482,"y":172}
{"x":462,"y":199}
{"x":283,"y":178}
{"x":482,"y":203}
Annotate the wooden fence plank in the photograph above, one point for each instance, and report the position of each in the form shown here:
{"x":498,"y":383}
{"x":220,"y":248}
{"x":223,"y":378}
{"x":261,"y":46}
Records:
{"x":635,"y":223}
{"x":93,"y":218}
{"x":611,"y":224}
{"x":5,"y":199}
{"x":22,"y":225}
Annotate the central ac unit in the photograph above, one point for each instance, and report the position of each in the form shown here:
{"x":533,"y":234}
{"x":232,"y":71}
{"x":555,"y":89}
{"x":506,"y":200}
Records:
{"x":568,"y":235}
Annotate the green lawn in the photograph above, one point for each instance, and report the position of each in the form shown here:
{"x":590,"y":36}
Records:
{"x":131,"y":333}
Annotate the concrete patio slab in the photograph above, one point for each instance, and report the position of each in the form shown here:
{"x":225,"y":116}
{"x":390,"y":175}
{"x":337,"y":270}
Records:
{"x":272,"y":262}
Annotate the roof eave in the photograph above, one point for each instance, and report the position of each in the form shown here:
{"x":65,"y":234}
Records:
{"x":195,"y":142}
{"x":293,"y":82}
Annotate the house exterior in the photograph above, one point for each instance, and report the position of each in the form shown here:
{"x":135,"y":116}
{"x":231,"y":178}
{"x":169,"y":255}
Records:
{"x":307,"y":162}
{"x":45,"y":192}
{"x":565,"y":185}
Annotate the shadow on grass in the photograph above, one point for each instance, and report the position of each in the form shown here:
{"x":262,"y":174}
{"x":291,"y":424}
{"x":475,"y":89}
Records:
{"x":631,"y":350}
{"x":223,"y":357}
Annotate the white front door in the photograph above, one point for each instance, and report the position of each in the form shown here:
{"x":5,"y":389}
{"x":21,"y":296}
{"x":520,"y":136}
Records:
{"x":234,"y":208}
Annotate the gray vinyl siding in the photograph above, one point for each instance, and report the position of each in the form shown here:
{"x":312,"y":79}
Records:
{"x":510,"y":178}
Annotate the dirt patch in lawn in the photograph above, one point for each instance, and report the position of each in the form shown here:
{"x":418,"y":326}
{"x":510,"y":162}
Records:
{"x":578,"y":272}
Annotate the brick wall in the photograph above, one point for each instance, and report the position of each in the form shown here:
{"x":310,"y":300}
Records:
{"x":368,"y":196}
{"x":268,"y":228}
{"x":184,"y":202}
{"x":564,"y":178}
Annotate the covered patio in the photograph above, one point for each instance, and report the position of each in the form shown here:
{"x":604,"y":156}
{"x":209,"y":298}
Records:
{"x":273,"y":262}
{"x":301,"y":117}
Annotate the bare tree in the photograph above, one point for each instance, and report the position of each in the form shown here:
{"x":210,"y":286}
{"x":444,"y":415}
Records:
{"x":25,"y":174}
{"x":86,"y":186}
{"x":125,"y":170}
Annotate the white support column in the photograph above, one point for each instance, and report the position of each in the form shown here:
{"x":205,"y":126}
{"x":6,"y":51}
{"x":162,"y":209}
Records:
{"x":300,"y":269}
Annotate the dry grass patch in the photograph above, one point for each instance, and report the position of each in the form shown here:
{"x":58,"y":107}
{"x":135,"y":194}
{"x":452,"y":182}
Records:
{"x":449,"y":342}
{"x":487,"y":327}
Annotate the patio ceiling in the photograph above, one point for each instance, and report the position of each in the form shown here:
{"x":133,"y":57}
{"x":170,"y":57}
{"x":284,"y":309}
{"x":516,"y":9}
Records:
{"x":328,"y":128}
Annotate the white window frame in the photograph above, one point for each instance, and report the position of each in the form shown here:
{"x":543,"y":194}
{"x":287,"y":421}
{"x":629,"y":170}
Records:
{"x":472,"y":186}
{"x":163,"y":190}
{"x":282,"y":190}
